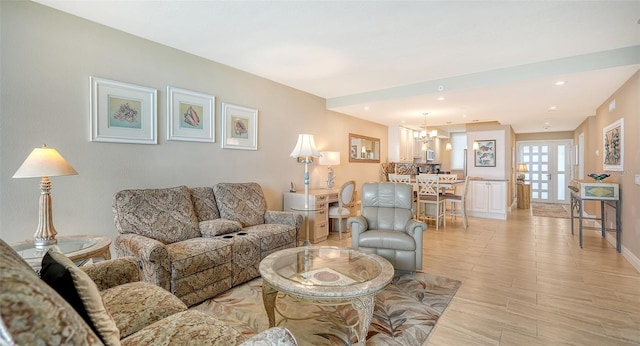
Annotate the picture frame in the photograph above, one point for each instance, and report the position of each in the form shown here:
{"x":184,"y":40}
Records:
{"x":190,"y":116}
{"x":485,"y":156}
{"x":239,"y":127}
{"x":122,"y":112}
{"x":613,"y":146}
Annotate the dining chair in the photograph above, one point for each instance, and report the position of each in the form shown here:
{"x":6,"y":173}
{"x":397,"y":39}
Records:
{"x":345,"y":202}
{"x":448,"y":178}
{"x":400,"y":178}
{"x":429,"y":196}
{"x":458,"y":203}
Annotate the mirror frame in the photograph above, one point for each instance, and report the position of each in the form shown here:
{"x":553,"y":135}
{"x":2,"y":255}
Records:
{"x":357,"y":159}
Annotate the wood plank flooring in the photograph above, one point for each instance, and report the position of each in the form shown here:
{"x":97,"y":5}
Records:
{"x":526,"y":281}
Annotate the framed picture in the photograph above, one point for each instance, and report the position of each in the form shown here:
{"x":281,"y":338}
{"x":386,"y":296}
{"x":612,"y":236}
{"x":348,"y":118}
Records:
{"x":239,"y":127}
{"x":613,"y":145}
{"x":190,"y":116}
{"x":485,"y":156}
{"x":122,"y":112}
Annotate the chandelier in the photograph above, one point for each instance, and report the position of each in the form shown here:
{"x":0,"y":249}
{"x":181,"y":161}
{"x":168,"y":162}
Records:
{"x":424,"y":135}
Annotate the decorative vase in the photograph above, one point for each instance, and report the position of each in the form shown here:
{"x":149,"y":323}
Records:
{"x":599,"y":177}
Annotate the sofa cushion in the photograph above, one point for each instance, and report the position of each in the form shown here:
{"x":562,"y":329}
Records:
{"x":242,"y":202}
{"x":204,"y":203}
{"x":75,"y":286}
{"x":137,"y":304}
{"x":166,"y":215}
{"x":273,"y":236}
{"x":32,"y":312}
{"x":189,"y":327}
{"x":212,"y":228}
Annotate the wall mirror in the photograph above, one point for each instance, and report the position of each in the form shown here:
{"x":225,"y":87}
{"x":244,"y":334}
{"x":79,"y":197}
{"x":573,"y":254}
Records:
{"x":363,"y":148}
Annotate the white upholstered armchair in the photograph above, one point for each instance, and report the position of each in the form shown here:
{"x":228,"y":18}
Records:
{"x":385,"y":225}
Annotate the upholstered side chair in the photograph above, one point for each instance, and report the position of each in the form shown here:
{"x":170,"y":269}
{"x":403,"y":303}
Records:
{"x":345,"y":202}
{"x":385,"y":225}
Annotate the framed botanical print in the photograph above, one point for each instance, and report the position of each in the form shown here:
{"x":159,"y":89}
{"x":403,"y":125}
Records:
{"x":190,"y":116}
{"x":122,"y":112}
{"x":613,"y":146}
{"x":239,"y":127}
{"x":485,"y":156}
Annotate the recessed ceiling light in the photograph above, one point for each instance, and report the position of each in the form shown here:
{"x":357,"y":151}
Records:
{"x":560,"y":82}
{"x":552,"y":108}
{"x":366,"y":108}
{"x":441,"y":98}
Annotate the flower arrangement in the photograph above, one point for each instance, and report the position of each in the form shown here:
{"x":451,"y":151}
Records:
{"x":599,"y":177}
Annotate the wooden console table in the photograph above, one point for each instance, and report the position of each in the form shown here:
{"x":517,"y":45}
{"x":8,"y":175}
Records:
{"x":317,"y":215}
{"x":577,"y":208}
{"x":523,"y":195}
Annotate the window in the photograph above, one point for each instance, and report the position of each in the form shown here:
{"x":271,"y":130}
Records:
{"x":458,"y":145}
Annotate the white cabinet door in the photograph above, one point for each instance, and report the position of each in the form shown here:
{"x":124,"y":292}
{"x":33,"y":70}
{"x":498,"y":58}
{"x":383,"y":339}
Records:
{"x":479,"y":193}
{"x":488,"y":199}
{"x":497,"y":197}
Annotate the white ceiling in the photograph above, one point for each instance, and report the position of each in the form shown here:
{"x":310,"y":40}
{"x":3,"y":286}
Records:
{"x":390,"y":61}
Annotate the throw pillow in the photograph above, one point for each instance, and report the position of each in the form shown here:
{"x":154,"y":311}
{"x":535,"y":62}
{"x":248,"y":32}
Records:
{"x":212,"y":228}
{"x":77,"y":288}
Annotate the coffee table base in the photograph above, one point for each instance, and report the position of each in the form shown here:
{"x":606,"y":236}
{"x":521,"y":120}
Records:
{"x":362,"y":304}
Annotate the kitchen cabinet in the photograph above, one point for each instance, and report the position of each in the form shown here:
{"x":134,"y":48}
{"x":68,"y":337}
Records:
{"x":488,"y":199}
{"x":401,"y":144}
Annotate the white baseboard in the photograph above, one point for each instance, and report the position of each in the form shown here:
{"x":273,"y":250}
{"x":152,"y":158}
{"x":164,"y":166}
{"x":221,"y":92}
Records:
{"x":635,"y":261}
{"x":611,"y":238}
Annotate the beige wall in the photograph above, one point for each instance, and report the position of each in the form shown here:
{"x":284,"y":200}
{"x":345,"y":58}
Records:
{"x":47,"y":57}
{"x":544,"y":136}
{"x":627,"y":107}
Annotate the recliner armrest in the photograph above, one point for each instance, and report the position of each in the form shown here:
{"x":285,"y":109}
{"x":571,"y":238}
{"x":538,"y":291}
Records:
{"x":414,"y":226}
{"x":152,"y":255}
{"x":113,"y":272}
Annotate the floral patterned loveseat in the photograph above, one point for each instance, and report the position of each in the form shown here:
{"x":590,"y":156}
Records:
{"x":199,"y":242}
{"x":33,"y":313}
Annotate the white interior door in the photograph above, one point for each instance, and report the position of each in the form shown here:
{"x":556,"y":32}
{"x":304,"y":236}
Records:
{"x":549,"y":164}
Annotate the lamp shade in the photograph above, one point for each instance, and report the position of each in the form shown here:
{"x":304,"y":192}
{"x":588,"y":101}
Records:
{"x":448,"y":147}
{"x":330,"y":158}
{"x":44,"y":162}
{"x":475,"y":146}
{"x":522,"y":167}
{"x":305,"y":147}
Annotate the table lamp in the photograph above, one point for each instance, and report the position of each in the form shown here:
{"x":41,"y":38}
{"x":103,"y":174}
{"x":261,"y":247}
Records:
{"x":330,"y":158}
{"x":522,"y":169}
{"x":305,"y":150}
{"x":43,"y":163}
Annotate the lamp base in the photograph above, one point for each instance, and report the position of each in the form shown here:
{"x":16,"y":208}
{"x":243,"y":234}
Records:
{"x":43,"y":243}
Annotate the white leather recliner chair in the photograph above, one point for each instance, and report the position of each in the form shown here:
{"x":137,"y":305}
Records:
{"x":386,"y":227}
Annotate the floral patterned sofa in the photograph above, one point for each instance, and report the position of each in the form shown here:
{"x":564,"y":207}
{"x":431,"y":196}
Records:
{"x":199,"y":242}
{"x":33,"y":313}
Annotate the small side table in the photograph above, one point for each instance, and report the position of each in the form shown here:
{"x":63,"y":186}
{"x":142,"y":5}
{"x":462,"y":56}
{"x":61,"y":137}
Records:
{"x":80,"y":249}
{"x":523,"y":195}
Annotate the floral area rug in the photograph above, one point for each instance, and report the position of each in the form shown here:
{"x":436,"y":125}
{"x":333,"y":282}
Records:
{"x":405,"y":312}
{"x":550,"y":210}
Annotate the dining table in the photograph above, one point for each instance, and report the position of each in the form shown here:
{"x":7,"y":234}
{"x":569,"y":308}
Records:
{"x":444,"y":184}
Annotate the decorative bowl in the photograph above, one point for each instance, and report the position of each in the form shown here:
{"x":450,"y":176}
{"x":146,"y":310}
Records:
{"x":599,"y":177}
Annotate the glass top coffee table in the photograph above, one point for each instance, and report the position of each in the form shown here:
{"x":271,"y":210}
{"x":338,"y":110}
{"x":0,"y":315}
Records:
{"x":326,"y":275}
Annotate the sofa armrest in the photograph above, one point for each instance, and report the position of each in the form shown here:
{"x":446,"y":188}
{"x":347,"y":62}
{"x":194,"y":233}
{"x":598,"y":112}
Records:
{"x":151,"y":254}
{"x":283,"y":218}
{"x":413,"y":227}
{"x":272,"y":336}
{"x":114,"y":272}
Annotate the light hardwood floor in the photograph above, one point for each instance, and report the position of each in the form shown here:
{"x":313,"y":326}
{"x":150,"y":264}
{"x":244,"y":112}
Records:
{"x":526,"y":281}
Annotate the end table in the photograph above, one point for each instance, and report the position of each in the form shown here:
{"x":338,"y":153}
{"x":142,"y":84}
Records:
{"x":80,"y":249}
